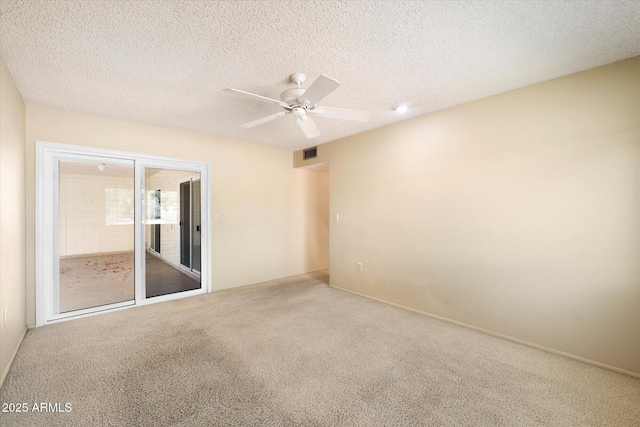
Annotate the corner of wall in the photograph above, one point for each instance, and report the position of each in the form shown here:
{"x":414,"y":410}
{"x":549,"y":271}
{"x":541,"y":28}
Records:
{"x":514,"y":214}
{"x":13,"y":223}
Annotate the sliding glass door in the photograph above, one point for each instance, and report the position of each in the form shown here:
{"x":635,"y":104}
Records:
{"x":171,"y":217}
{"x":116,"y":229}
{"x":94,"y":236}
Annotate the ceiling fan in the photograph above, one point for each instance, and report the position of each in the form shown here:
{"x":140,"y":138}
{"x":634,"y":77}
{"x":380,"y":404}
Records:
{"x":302,"y":103}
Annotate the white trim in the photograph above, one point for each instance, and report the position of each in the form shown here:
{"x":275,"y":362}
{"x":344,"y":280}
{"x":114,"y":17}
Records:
{"x":92,"y":313}
{"x":45,"y":154}
{"x":86,"y":157}
{"x":499,"y":335}
{"x":75,"y":313}
{"x":128,"y":304}
{"x":53,"y":292}
{"x":139,"y":243}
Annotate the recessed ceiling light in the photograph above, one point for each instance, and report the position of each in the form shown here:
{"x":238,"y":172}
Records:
{"x":401,"y":107}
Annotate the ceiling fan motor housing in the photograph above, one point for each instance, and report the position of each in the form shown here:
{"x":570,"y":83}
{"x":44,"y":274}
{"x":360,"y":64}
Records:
{"x":292,"y":96}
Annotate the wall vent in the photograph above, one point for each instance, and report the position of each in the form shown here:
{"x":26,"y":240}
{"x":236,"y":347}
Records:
{"x":310,"y":153}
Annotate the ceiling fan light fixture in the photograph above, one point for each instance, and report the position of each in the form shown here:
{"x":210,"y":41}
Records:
{"x":401,"y":107}
{"x":298,"y":112}
{"x":298,"y":102}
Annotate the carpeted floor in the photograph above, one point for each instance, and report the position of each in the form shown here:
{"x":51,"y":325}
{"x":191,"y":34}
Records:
{"x":296,"y":352}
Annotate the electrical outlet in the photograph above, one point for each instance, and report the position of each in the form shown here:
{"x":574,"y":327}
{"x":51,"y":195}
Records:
{"x":337,"y":217}
{"x":359,"y":267}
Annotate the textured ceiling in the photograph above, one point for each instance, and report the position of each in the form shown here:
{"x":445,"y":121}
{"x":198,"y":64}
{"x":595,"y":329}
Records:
{"x":165,"y":63}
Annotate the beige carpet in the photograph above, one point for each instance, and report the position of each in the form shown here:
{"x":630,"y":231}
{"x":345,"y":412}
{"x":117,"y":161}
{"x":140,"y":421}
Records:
{"x":296,"y":352}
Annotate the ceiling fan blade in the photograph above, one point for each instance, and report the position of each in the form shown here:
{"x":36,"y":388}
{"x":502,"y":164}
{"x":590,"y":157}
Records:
{"x":308,"y":126}
{"x":322,"y":87}
{"x":263,"y":120}
{"x":341,"y":113}
{"x":258,"y":97}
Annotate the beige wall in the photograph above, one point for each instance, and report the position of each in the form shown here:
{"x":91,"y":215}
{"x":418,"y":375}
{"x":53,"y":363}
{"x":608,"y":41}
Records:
{"x":12,"y":219}
{"x":311,"y":214}
{"x":253,"y":188}
{"x":518,"y":214}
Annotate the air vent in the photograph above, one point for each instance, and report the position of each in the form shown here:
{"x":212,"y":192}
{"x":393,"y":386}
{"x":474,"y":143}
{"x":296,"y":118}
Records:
{"x":310,"y":153}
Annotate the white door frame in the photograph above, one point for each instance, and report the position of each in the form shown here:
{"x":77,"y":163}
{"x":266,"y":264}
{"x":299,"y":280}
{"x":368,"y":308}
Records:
{"x":46,"y":227}
{"x":178,"y":165}
{"x":52,"y":293}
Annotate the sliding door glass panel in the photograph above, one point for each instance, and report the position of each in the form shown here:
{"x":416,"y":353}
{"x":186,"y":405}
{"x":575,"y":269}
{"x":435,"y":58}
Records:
{"x":155,"y":204}
{"x":197,"y":237}
{"x":95,"y":234}
{"x":169,"y":270}
{"x":185,"y":224}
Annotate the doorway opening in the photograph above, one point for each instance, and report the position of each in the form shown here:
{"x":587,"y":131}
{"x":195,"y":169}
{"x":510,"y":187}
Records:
{"x":317,"y":219}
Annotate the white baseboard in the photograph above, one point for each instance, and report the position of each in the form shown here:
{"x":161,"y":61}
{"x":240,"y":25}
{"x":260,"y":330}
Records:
{"x":13,"y":356}
{"x":499,"y":335}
